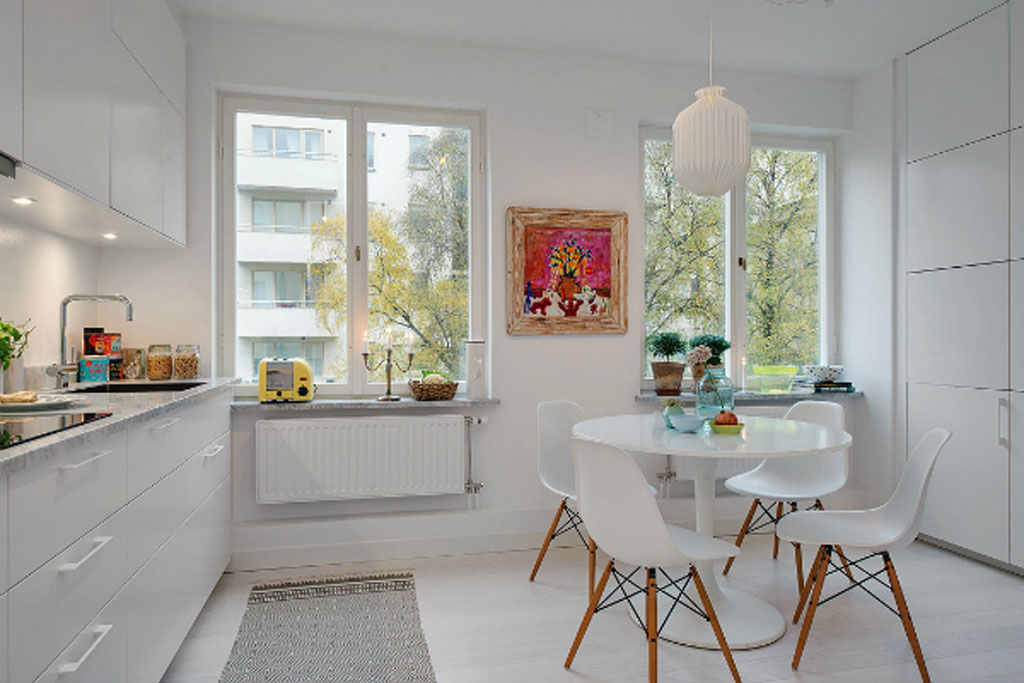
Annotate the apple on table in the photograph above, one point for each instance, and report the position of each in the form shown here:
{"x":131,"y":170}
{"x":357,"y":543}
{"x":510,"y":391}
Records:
{"x":726,"y":417}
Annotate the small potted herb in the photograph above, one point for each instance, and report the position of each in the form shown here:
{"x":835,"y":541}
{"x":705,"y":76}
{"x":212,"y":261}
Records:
{"x":13,"y":339}
{"x":668,"y":375}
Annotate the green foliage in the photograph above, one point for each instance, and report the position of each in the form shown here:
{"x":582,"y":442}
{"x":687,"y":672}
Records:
{"x":782,"y":257}
{"x":684,"y":266}
{"x":716,"y":343}
{"x":13,"y":339}
{"x":437,"y":221}
{"x":666,"y":344}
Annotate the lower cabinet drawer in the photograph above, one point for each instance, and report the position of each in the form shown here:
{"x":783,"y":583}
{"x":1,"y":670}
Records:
{"x":4,"y":675}
{"x":55,"y":602}
{"x":53,"y":503}
{"x":167,"y":594}
{"x":97,"y":654}
{"x":215,"y":465}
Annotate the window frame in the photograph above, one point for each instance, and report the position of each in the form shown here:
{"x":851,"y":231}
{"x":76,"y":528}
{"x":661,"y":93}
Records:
{"x":735,"y":248}
{"x":356,"y":116}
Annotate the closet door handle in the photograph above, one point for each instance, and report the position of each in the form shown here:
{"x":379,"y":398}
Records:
{"x":1003,"y":404}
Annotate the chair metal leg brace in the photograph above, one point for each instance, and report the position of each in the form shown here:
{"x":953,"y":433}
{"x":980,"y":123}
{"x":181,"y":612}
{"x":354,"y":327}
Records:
{"x":816,"y":580}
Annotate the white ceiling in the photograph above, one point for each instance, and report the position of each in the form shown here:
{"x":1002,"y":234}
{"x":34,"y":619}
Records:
{"x":805,"y":37}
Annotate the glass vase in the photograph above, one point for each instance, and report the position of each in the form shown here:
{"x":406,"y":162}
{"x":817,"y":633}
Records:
{"x":668,"y":411}
{"x":715,"y":393}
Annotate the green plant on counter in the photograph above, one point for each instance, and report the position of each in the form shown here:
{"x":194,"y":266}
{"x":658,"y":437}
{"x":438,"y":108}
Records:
{"x":13,"y":339}
{"x":666,"y":344}
{"x":717,"y":344}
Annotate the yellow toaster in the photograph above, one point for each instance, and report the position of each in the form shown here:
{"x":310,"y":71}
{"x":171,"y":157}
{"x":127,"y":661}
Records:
{"x":285,"y":379}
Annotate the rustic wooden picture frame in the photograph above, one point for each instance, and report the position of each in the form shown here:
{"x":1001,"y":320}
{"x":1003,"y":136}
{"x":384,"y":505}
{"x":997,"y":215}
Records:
{"x":590,"y":311}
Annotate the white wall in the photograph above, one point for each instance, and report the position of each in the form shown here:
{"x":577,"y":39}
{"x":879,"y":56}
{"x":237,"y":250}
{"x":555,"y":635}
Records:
{"x":866,"y":278}
{"x":39,"y":269}
{"x":538,"y":154}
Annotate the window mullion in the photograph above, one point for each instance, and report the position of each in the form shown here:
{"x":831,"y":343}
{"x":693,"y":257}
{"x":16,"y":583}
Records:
{"x":358,"y":241}
{"x":736,"y":281}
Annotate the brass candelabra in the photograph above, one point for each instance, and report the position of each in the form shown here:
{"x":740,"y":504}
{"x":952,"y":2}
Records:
{"x":388,"y":363}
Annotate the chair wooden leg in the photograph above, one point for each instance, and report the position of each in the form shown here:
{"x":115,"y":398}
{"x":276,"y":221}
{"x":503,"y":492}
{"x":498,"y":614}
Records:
{"x":812,"y":574}
{"x":595,"y":598}
{"x":812,"y":605}
{"x":709,"y":609}
{"x":908,"y":625}
{"x":798,"y":558}
{"x":742,"y":534}
{"x":592,"y":568}
{"x":547,"y":539}
{"x":778,"y":516}
{"x":652,"y":625}
{"x":839,"y":548}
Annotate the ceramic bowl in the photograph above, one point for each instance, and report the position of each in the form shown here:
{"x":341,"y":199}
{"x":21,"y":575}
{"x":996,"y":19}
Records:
{"x":727,"y":429}
{"x":687,"y":423}
{"x":824,"y":373}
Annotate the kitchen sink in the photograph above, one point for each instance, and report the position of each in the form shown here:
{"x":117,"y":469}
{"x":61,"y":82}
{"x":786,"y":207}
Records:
{"x":135,"y":387}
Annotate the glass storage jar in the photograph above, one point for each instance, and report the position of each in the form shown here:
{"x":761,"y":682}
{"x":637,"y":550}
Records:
{"x":186,"y":361}
{"x":158,"y":362}
{"x":715,"y":393}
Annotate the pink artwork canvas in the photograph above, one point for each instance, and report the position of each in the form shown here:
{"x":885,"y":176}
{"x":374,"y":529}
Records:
{"x":567,"y":272}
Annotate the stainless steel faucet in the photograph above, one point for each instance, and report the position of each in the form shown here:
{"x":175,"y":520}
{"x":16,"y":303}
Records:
{"x":61,"y":369}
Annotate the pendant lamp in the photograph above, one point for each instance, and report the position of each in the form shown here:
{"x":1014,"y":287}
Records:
{"x":711,"y":140}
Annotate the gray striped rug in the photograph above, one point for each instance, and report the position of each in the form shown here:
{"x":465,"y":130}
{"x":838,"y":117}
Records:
{"x":363,"y":629}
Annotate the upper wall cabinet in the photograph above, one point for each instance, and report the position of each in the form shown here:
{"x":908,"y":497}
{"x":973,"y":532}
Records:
{"x":1017,"y":193}
{"x":10,"y":78}
{"x":171,"y":76}
{"x":137,"y":24}
{"x":136,"y":143}
{"x":1016,"y":63}
{"x":173,"y":125}
{"x":68,"y":53}
{"x":957,"y":86}
{"x":964,"y":190}
{"x":947,"y":310}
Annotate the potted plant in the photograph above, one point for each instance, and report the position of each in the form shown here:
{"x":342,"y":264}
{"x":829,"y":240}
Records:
{"x":668,"y":375}
{"x":717,"y":344}
{"x":13,"y":339}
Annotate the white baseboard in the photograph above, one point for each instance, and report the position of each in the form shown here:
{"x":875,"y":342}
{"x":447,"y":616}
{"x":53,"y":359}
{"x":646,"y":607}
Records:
{"x":294,"y":543}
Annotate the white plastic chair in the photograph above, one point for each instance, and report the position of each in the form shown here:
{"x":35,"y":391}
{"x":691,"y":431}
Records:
{"x":554,"y":464}
{"x":877,"y":531}
{"x":624,"y":519}
{"x":794,"y":478}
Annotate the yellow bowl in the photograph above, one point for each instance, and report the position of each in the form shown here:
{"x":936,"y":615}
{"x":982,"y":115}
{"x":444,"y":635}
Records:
{"x":726,"y":429}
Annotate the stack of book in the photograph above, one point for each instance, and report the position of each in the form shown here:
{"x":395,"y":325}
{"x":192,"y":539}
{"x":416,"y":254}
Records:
{"x":833,"y":387}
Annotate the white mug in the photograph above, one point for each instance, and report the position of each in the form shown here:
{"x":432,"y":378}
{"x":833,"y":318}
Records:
{"x":476,"y":379}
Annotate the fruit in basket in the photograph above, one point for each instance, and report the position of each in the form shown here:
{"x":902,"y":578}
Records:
{"x":435,"y":378}
{"x":726,"y":417}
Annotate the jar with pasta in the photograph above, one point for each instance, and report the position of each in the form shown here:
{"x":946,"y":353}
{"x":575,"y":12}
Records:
{"x":159,"y":364}
{"x":186,"y":361}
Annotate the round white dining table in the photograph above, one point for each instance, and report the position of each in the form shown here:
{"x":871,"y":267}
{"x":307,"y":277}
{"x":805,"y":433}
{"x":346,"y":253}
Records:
{"x":747,"y":621}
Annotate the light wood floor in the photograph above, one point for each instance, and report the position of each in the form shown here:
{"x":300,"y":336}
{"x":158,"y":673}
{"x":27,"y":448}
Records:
{"x":485,"y":623}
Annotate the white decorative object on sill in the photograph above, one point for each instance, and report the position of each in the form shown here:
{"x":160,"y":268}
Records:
{"x":476,"y":379}
{"x":711,"y":140}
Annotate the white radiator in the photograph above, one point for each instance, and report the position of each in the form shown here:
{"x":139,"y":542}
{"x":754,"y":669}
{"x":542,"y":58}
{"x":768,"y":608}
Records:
{"x":359,"y":457}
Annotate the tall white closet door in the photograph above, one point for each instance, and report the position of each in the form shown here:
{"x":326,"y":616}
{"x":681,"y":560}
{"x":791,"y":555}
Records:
{"x":957,"y":327}
{"x":1017,"y":479}
{"x":968,"y":500}
{"x":1017,"y":190}
{"x":957,"y":86}
{"x":1017,"y":333}
{"x":957,"y":206}
{"x":1016,"y":63}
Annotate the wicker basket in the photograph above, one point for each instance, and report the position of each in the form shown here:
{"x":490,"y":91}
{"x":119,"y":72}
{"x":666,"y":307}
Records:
{"x":433,"y":391}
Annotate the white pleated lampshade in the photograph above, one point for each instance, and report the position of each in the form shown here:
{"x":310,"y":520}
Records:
{"x":711,"y":144}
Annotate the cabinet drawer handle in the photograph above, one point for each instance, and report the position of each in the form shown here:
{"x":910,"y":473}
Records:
{"x":99,"y":633}
{"x":100,"y":541}
{"x":87,"y":461}
{"x":211,"y":453}
{"x":165,"y":425}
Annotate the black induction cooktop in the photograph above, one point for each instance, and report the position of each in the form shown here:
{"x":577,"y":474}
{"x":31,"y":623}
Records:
{"x":18,"y":430}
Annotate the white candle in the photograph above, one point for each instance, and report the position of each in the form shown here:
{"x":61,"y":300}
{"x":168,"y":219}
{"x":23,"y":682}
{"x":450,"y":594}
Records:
{"x":390,"y":339}
{"x":366,"y":342}
{"x":408,"y":346}
{"x":743,"y":371}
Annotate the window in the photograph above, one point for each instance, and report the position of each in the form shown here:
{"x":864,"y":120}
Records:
{"x":418,"y":146}
{"x":775,"y":309}
{"x":420,"y":270}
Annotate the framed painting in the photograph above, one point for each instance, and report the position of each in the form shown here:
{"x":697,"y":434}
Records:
{"x":566,"y":271}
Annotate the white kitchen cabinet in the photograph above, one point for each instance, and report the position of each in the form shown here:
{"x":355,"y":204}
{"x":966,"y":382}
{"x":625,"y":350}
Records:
{"x":1017,"y":478}
{"x":968,"y":502}
{"x":174,"y":189}
{"x":68,"y":55}
{"x":1016,"y":63}
{"x":136,"y":144}
{"x":171,"y":76}
{"x":5,"y":580}
{"x":4,"y":673}
{"x":1017,"y":333}
{"x":137,"y":24}
{"x":958,"y":86}
{"x":10,"y":78}
{"x":962,"y":191}
{"x":948,"y":311}
{"x":1017,"y":192}
{"x":98,"y":652}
